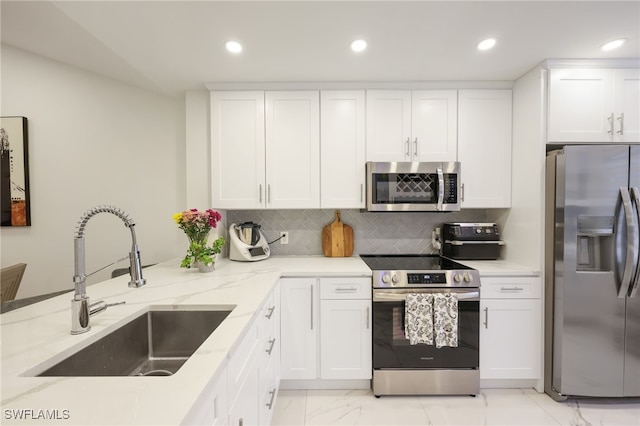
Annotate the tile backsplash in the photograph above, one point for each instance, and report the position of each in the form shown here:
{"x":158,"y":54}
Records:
{"x":374,"y":233}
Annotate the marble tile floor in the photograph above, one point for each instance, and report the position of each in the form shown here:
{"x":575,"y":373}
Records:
{"x":508,"y":407}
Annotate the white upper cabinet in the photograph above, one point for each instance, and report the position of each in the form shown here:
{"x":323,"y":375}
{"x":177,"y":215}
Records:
{"x":405,"y":125}
{"x":626,"y":98}
{"x":293,"y":149}
{"x":265,"y":150}
{"x":342,"y":149}
{"x":484,"y":147}
{"x":434,"y":125}
{"x":237,"y":150}
{"x":594,"y":105}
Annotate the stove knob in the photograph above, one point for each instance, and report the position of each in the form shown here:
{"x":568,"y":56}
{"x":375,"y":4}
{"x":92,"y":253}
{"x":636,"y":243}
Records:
{"x":395,"y":278}
{"x":456,"y":277}
{"x":468,"y":278}
{"x":386,"y":278}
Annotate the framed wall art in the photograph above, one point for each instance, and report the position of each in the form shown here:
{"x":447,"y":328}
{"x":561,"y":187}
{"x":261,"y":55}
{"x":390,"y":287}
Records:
{"x":15,"y":207}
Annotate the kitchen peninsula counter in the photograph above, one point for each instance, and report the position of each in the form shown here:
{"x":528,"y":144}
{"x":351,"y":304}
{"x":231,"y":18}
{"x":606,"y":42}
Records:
{"x":37,"y":336}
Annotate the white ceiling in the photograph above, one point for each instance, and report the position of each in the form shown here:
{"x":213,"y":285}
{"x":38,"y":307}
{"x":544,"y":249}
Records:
{"x":173,"y":46}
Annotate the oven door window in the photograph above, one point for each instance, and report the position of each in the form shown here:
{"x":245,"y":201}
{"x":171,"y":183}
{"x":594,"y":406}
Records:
{"x":391,"y":349}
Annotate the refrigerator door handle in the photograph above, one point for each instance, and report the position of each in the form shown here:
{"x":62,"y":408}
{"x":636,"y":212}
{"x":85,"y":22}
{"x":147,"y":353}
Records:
{"x":629,"y":270}
{"x":635,"y":283}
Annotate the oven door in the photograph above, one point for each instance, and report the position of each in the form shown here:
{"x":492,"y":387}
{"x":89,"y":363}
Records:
{"x":392,"y":350}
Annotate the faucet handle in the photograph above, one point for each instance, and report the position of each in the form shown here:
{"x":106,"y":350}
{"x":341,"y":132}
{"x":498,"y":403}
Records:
{"x":101,"y":306}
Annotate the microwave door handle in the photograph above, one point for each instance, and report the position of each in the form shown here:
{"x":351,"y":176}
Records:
{"x":635,"y":199}
{"x":440,"y":189}
{"x":627,"y":275}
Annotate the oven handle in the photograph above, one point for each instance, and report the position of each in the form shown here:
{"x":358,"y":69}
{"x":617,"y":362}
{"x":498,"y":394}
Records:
{"x":401,"y":295}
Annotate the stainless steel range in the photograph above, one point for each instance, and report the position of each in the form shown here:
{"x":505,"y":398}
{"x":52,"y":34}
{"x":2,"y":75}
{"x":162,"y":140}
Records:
{"x":426,"y":325}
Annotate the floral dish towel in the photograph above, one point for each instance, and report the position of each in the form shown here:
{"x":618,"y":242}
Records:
{"x":445,"y":319}
{"x":418,"y":318}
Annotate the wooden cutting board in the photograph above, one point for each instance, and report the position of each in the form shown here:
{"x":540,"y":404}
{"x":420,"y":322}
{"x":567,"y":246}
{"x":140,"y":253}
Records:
{"x":337,"y":238}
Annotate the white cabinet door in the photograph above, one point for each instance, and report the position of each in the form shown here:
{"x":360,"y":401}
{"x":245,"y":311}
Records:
{"x":244,"y":410}
{"x":342,"y":152}
{"x":405,"y":125}
{"x":434,"y":119}
{"x":594,"y":105}
{"x":293,"y":149}
{"x":388,"y":125}
{"x":237,"y":150}
{"x":211,"y":408}
{"x":510,"y":339}
{"x":484,"y":147}
{"x":299,"y":319}
{"x":345,"y":339}
{"x":580,"y":105}
{"x":627,"y":105}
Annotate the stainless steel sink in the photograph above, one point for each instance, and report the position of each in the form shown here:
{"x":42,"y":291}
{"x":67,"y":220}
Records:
{"x":156,"y":343}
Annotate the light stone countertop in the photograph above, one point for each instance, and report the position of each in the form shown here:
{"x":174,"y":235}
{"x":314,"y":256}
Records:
{"x":496,"y":268}
{"x":36,"y":337}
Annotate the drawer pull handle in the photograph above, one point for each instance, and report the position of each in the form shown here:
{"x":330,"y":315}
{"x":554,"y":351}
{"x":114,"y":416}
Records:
{"x":486,"y":317}
{"x":346,"y":289}
{"x":516,"y":288}
{"x":273,"y":395}
{"x":270,"y":314}
{"x":271,"y":345}
{"x":367,"y":317}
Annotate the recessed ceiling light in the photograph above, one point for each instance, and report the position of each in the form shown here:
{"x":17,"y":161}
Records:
{"x":487,"y":44}
{"x":233,"y":46}
{"x":358,"y":45}
{"x":614,"y":44}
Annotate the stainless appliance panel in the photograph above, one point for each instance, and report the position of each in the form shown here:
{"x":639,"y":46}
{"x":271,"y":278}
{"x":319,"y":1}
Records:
{"x":413,"y":186}
{"x":632,"y":353}
{"x":400,"y":368}
{"x":592,"y":243}
{"x":426,"y":382}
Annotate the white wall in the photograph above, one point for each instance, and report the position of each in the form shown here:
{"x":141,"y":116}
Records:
{"x":524,"y":225}
{"x":92,"y":141}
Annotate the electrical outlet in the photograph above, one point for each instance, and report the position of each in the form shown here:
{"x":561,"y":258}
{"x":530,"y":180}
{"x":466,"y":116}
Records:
{"x":285,"y":237}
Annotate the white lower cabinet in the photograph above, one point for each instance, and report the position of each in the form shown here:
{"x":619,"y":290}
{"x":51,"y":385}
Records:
{"x":511,"y":328}
{"x":345,"y":328}
{"x":269,"y":357}
{"x":326,"y":328}
{"x":246,"y":385}
{"x":299,"y":325}
{"x":244,"y":410}
{"x":211,"y":408}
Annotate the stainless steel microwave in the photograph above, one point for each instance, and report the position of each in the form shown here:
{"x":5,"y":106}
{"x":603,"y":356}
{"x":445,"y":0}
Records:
{"x":413,"y":186}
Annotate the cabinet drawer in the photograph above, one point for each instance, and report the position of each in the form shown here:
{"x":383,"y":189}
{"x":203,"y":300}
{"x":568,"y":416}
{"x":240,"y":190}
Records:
{"x":242,"y":358}
{"x":268,"y":317}
{"x":345,"y":288}
{"x":510,"y":287}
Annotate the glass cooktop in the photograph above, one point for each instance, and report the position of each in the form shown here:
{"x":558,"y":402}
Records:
{"x":410,"y":262}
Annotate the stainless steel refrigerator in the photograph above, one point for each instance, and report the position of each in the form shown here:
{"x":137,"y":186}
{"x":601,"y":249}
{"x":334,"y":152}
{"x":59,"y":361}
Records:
{"x":592,"y":241}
